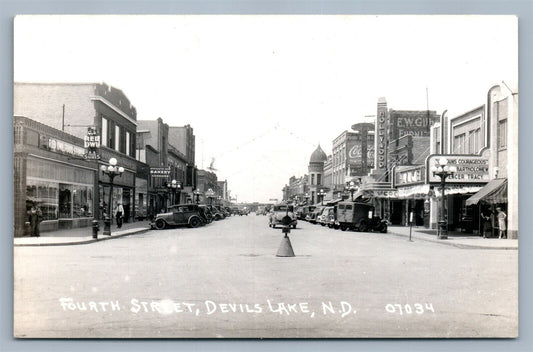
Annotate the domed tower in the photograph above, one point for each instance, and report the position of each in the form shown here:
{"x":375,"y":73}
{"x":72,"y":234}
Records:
{"x":316,"y":173}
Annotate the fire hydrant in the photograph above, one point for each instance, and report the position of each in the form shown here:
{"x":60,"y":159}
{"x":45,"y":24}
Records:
{"x":96,"y":227}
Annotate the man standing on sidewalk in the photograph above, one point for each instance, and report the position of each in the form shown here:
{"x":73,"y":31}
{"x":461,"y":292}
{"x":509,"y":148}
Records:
{"x":35,"y":217}
{"x":119,"y":213}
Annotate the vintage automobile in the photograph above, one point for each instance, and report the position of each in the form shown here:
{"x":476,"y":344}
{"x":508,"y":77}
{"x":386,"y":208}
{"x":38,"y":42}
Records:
{"x":359,"y":216}
{"x":328,"y":216}
{"x":217,"y":213}
{"x":178,"y":215}
{"x":306,"y":210}
{"x":322,"y":218}
{"x":206,"y":213}
{"x":278,"y":212}
{"x":312,"y":216}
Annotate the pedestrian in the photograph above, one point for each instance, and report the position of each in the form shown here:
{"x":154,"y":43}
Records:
{"x":35,"y":217}
{"x":119,"y":213}
{"x":486,"y":226}
{"x":501,"y":222}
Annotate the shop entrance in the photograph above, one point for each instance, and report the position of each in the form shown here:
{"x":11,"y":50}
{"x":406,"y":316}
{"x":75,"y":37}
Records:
{"x":396,"y":212}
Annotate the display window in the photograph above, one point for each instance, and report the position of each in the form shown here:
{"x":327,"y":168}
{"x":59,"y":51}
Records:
{"x":45,"y":195}
{"x":82,"y":201}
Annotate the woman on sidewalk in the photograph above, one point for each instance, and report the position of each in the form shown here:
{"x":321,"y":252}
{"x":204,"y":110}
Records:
{"x":501,"y":222}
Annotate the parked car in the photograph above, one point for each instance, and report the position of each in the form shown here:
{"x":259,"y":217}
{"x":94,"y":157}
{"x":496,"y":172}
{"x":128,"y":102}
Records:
{"x":328,"y":217}
{"x":359,"y":216}
{"x":306,"y":210}
{"x":206,"y":213}
{"x":235,"y":211}
{"x":224,"y":211}
{"x":278,"y":212}
{"x":244,"y":211}
{"x":322,"y":218}
{"x":178,"y":215}
{"x":312,"y":216}
{"x":217,"y":214}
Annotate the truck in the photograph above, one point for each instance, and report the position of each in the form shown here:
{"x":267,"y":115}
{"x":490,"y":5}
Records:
{"x":359,"y":216}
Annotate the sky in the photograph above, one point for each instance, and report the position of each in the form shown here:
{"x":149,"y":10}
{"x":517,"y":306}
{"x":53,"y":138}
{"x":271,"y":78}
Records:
{"x":262,"y":92}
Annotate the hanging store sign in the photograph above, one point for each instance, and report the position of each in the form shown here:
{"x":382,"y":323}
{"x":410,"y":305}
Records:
{"x":91,"y":144}
{"x":470,"y":169}
{"x":160,"y":172}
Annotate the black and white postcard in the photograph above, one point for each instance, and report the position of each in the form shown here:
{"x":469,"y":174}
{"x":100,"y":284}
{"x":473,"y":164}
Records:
{"x":265,"y":176}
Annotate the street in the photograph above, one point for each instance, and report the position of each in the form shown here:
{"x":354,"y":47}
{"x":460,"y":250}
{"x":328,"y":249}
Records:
{"x":224,"y":280}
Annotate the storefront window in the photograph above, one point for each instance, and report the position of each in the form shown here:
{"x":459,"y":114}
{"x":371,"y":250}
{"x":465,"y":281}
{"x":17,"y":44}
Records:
{"x":82,"y":201}
{"x":45,"y":195}
{"x":104,"y":199}
{"x":65,"y":201}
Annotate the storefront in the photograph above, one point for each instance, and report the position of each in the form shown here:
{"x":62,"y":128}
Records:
{"x":123,"y":186}
{"x":413,"y":196}
{"x":51,"y":172}
{"x":471,"y":176}
{"x":487,"y":200}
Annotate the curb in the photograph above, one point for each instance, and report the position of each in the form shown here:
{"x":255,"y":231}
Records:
{"x":457,"y":245}
{"x":92,"y":240}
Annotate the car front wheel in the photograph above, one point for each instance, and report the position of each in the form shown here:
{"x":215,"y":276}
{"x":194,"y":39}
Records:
{"x":194,"y":222}
{"x":160,"y":224}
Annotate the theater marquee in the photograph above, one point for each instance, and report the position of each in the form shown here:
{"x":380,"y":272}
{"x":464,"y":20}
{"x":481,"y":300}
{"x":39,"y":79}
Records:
{"x":470,"y":168}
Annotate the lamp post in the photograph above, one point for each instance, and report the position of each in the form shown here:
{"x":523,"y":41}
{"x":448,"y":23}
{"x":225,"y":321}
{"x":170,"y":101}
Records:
{"x":322,"y":194}
{"x":111,"y":170}
{"x":210,"y":194}
{"x":174,"y":186}
{"x":352,"y":188}
{"x":197,"y":194}
{"x":443,"y":170}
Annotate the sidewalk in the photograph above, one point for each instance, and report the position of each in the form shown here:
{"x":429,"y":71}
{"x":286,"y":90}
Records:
{"x":456,"y":239}
{"x":80,"y":235}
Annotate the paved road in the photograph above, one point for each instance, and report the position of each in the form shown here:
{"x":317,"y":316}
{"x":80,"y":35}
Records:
{"x":224,"y":280}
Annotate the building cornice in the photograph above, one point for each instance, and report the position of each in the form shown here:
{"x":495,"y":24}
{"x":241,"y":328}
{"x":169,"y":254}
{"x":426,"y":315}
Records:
{"x":114,"y":107}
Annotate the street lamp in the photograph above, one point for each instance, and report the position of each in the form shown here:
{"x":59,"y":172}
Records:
{"x":210,"y":194}
{"x":352,"y":188}
{"x":197,"y":194}
{"x":111,"y":170}
{"x":322,"y":194}
{"x":174,"y":186}
{"x":443,"y":170}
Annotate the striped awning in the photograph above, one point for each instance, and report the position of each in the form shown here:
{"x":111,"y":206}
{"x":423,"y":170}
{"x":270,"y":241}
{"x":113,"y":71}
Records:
{"x":492,"y":193}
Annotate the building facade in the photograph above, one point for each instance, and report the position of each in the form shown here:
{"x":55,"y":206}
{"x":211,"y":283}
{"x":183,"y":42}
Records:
{"x":183,"y":139}
{"x":73,"y":108}
{"x":315,"y":179}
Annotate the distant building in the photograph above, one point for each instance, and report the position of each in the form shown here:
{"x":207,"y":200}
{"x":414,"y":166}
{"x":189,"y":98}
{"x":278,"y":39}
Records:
{"x":183,"y":139}
{"x":207,"y":180}
{"x":315,"y":179}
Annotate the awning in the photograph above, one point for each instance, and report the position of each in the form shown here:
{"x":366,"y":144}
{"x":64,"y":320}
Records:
{"x":410,"y":192}
{"x":33,"y":199}
{"x":494,"y":192}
